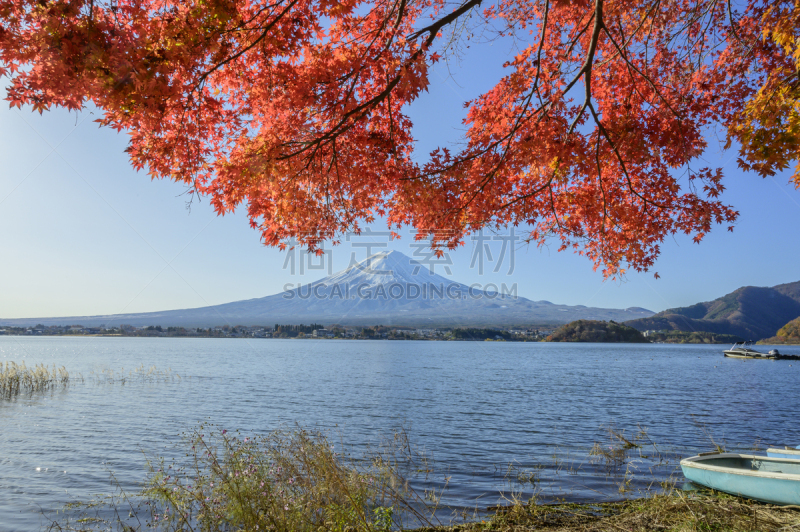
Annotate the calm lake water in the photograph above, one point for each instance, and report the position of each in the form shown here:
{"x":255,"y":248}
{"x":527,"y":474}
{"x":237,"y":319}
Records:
{"x":476,"y":407}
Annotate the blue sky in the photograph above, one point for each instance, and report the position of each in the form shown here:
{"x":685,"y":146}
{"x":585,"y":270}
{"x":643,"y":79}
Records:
{"x":83,"y":233}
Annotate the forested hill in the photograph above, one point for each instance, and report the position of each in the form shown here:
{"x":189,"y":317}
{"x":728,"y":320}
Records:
{"x":788,"y":334}
{"x":750,"y":312}
{"x":596,"y":331}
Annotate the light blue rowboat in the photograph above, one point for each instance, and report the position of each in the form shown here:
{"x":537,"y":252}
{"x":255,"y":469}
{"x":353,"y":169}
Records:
{"x":784,"y":453}
{"x":766,"y":479}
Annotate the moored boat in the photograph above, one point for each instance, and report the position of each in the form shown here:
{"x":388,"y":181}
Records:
{"x":788,"y":452}
{"x":743,"y":350}
{"x":766,"y":479}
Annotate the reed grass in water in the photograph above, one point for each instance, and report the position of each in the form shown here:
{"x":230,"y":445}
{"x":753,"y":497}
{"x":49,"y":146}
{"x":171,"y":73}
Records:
{"x":19,"y":379}
{"x":16,"y":379}
{"x":141,"y":374}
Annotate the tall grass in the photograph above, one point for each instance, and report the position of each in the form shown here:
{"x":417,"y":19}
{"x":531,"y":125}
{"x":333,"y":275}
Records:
{"x":16,"y":379}
{"x":286,"y":481}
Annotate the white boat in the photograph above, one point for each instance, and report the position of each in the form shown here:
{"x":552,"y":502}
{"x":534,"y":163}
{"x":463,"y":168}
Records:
{"x":743,"y":350}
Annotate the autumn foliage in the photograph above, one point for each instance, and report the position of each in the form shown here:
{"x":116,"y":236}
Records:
{"x":791,"y":331}
{"x":296,"y":109}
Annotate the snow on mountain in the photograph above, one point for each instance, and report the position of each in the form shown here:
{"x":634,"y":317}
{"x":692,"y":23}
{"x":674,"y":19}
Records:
{"x":386,"y":288}
{"x":386,"y":267}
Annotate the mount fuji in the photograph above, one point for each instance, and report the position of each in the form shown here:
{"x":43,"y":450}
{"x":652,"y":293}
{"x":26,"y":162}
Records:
{"x":387,"y":288}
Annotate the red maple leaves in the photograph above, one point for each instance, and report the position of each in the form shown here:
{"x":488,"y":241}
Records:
{"x":295,"y":108}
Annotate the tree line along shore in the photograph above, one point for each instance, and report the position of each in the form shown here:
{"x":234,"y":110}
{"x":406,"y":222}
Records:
{"x":595,"y":331}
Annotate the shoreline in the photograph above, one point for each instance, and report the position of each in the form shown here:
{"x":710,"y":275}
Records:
{"x":676,"y":510}
{"x":421,"y":339}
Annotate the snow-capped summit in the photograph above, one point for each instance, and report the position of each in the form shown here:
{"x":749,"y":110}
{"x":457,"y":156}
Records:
{"x":387,"y":288}
{"x":385,"y":268}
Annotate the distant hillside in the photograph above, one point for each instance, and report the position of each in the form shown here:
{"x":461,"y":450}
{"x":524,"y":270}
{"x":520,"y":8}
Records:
{"x":788,"y":334}
{"x":750,"y":312}
{"x":681,"y":337}
{"x":596,"y":331}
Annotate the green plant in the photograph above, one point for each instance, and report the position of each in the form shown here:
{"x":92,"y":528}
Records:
{"x":285,"y":481}
{"x":384,"y":518}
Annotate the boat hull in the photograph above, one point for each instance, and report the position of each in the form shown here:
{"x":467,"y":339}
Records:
{"x":734,"y":354}
{"x":771,"y":480}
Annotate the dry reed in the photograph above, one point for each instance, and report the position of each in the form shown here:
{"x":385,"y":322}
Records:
{"x":16,"y":379}
{"x":286,"y":481}
{"x":141,"y":374}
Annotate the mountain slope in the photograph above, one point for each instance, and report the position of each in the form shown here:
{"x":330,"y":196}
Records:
{"x":387,"y":288}
{"x":788,"y":334}
{"x":750,"y":312}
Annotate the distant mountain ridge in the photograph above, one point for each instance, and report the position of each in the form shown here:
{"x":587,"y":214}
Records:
{"x":387,"y":288}
{"x":751,"y":312}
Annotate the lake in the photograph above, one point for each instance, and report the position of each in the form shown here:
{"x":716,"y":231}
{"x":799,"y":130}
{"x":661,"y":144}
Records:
{"x":475,"y":407}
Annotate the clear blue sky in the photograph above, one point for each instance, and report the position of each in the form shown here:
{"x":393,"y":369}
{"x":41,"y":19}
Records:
{"x":83,"y":233}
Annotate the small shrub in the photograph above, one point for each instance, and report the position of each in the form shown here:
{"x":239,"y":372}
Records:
{"x":286,"y":481}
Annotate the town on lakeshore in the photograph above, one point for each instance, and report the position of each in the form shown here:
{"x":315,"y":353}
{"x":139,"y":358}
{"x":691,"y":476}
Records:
{"x":313,"y":331}
{"x":386,"y":303}
{"x":577,"y":331}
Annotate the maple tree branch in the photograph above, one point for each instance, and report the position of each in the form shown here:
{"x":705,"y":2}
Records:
{"x":733,"y":26}
{"x":646,"y":78}
{"x":611,"y":143}
{"x":600,"y":182}
{"x":338,"y":66}
{"x":434,"y":28}
{"x":401,"y":10}
{"x":534,"y":89}
{"x":636,"y":31}
{"x":361,"y":110}
{"x":528,"y":194}
{"x":264,"y":32}
{"x":541,"y":44}
{"x":341,"y":126}
{"x":390,"y":86}
{"x":553,"y":209}
{"x":242,"y":26}
{"x":378,"y":34}
{"x":585,"y":70}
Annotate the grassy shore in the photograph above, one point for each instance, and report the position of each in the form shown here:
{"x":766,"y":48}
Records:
{"x":675,"y":511}
{"x":298,"y":481}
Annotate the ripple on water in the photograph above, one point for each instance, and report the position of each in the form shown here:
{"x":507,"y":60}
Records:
{"x":477,"y":409}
